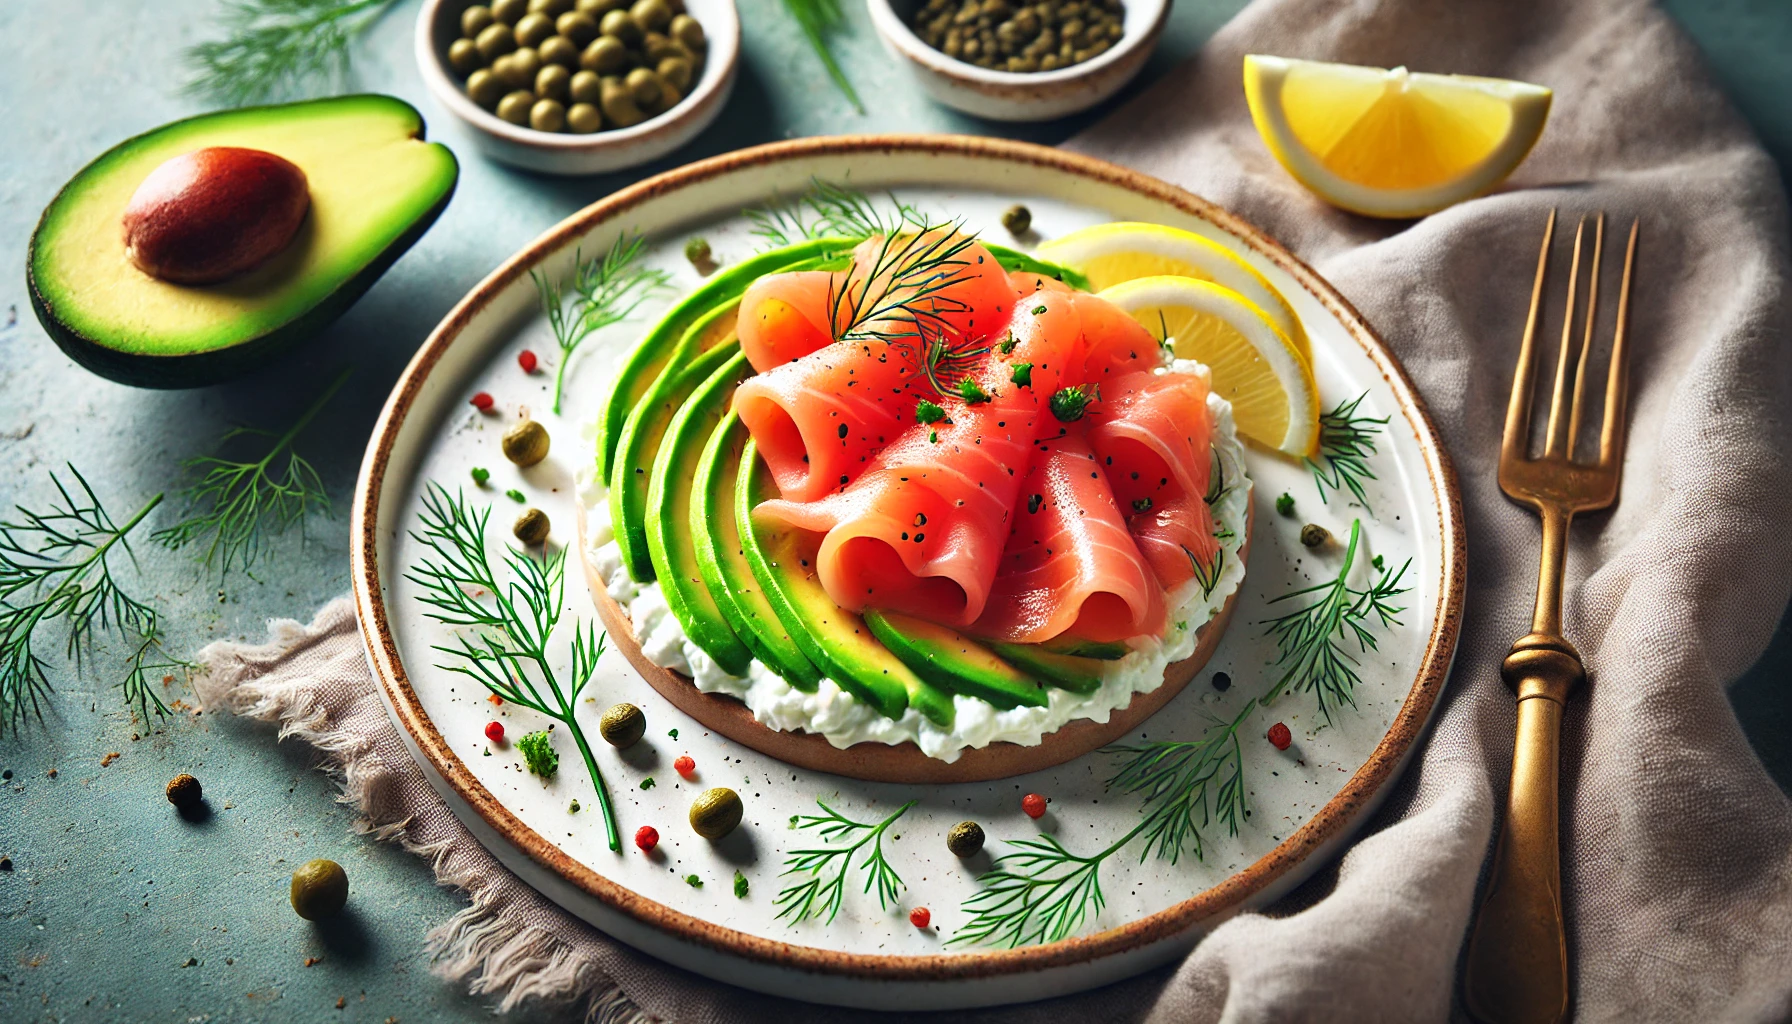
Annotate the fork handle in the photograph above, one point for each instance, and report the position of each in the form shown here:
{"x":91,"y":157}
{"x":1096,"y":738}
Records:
{"x":1517,"y":966}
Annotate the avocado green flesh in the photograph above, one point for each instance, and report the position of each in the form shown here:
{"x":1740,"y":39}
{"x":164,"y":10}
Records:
{"x":670,"y":540}
{"x":949,"y":659}
{"x":1100,"y":650}
{"x":1067,"y":672}
{"x":658,"y":349}
{"x":711,"y":342}
{"x":1015,"y":261}
{"x":722,"y":561}
{"x":836,"y":640}
{"x":375,"y":187}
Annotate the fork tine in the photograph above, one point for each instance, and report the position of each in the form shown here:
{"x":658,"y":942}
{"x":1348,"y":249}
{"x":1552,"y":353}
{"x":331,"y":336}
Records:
{"x":1611,"y":435}
{"x":1553,"y":435}
{"x":1516,"y":444}
{"x":1586,"y":341}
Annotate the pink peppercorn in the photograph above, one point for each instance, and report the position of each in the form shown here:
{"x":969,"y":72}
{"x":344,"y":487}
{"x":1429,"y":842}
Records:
{"x":494,"y":731}
{"x":1033,"y":804}
{"x":920,"y":917}
{"x":685,"y":766}
{"x":483,"y":402}
{"x":1279,"y":736}
{"x":647,"y":837}
{"x":526,"y":360}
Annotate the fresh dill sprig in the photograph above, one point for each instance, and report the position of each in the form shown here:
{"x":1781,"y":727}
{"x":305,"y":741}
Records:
{"x":56,"y":565}
{"x":819,"y":20}
{"x":902,"y":291}
{"x":829,"y":210}
{"x":604,"y":291}
{"x":276,"y":49}
{"x":505,"y":643}
{"x":815,"y":896}
{"x":238,"y":504}
{"x":1310,"y":640}
{"x":1346,"y":441}
{"x":1041,"y":892}
{"x":1186,"y":784}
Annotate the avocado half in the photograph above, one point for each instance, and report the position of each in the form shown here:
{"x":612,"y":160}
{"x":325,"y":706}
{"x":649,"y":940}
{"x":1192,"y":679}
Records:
{"x":375,"y":185}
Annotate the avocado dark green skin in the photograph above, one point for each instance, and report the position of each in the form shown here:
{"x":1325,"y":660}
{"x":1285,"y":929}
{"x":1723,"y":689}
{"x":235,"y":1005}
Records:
{"x":200,"y":369}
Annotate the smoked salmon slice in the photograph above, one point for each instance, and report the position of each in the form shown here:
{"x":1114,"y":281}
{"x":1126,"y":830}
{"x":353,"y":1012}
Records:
{"x":1153,"y":435}
{"x":1177,"y":539}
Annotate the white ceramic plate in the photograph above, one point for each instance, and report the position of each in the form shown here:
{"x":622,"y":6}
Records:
{"x":1306,"y":801}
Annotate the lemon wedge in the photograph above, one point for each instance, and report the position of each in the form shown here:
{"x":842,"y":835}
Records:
{"x":1108,"y":254}
{"x":1392,"y":143}
{"x":1269,"y":382}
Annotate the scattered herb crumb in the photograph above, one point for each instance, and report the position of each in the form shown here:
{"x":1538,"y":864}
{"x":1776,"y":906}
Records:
{"x":1141,"y":504}
{"x":517,"y":496}
{"x":693,"y":881}
{"x":972,"y":392}
{"x":1021,"y":374}
{"x":1285,"y":504}
{"x":1378,"y":562}
{"x":672,"y":733}
{"x":648,"y":782}
{"x":1069,"y":404}
{"x":1037,"y":310}
{"x":793,"y":821}
{"x":539,"y":754}
{"x":740,"y":886}
{"x":933,"y":437}
{"x":928,"y":412}
{"x":481,"y":475}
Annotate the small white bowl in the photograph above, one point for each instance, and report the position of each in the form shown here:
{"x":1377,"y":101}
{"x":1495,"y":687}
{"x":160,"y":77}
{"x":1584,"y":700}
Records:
{"x":438,"y":25}
{"x":1022,"y":96}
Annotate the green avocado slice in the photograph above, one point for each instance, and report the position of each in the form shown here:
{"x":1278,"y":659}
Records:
{"x":949,"y":659}
{"x":722,"y":560}
{"x":1100,"y":650}
{"x":661,"y":346}
{"x":1013,"y":260}
{"x":375,"y":187}
{"x":645,"y":432}
{"x":670,"y":540}
{"x":836,"y":640}
{"x":1065,"y":671}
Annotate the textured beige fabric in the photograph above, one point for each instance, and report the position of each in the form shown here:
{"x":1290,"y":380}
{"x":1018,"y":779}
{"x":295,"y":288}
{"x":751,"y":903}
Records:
{"x":1678,"y":846}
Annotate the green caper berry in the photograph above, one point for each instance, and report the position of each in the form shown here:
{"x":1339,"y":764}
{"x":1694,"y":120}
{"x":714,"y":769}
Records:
{"x":658,"y":46}
{"x":534,"y":29}
{"x":514,"y":107}
{"x":463,"y":56}
{"x":185,"y":792}
{"x":584,"y":118}
{"x":509,"y":12}
{"x":697,"y":251}
{"x":526,"y":442}
{"x":623,"y":26}
{"x":1313,"y":535}
{"x":622,"y":725}
{"x":965,"y":839}
{"x":618,"y":105}
{"x":676,"y":71}
{"x":607,"y":55}
{"x":553,"y":82}
{"x":495,"y":41}
{"x":652,"y":15}
{"x":559,"y":50}
{"x":319,"y":890}
{"x":669,"y":98}
{"x":531,"y":527}
{"x":474,"y":19}
{"x":577,"y":27}
{"x":688,"y":31}
{"x":551,"y":8}
{"x":644,"y":86}
{"x":585,"y":87}
{"x":596,"y":9}
{"x":1017,"y":219}
{"x":521,"y":68}
{"x":548,"y":116}
{"x":484,"y":88}
{"x":716,"y":812}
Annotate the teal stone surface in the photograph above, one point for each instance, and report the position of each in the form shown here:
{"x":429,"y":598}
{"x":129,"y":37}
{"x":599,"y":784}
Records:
{"x":118,"y":909}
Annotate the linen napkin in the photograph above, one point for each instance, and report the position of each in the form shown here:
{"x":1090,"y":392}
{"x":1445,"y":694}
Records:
{"x":1677,"y":847}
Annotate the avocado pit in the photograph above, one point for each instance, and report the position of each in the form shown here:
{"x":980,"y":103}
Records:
{"x":211,"y":214}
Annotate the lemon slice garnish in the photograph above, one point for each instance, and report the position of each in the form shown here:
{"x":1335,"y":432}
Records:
{"x":1256,"y":367}
{"x":1392,"y":143}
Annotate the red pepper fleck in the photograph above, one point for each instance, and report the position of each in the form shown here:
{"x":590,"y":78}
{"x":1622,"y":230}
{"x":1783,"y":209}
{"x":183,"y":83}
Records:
{"x":526,"y":360}
{"x":1033,"y":804}
{"x":1280,"y":736}
{"x":495,"y":699}
{"x":685,"y":766}
{"x":647,"y":837}
{"x":494,"y":731}
{"x":483,"y":402}
{"x":919,"y":917}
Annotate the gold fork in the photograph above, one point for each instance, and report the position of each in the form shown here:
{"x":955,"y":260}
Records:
{"x":1517,"y":967}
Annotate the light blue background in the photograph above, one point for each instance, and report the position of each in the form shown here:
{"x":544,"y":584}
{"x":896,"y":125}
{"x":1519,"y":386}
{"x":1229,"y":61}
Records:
{"x":112,"y":892}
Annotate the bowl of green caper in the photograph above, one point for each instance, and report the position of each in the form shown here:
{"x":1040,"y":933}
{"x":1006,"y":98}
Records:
{"x":579,"y":86}
{"x":1021,"y":60}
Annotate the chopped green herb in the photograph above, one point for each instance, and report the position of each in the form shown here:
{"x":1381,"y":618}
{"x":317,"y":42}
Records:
{"x":740,"y":886}
{"x":648,"y":783}
{"x":1069,"y":404}
{"x":793,"y":818}
{"x":481,"y":475}
{"x":1377,"y":563}
{"x":933,"y":437}
{"x":1285,"y":504}
{"x":538,"y":754}
{"x":672,"y":733}
{"x":971,"y":392}
{"x":927,"y":412}
{"x":517,"y":496}
{"x":1038,"y":310}
{"x":1007,"y":344}
{"x":1021,"y":374}
{"x":693,"y":881}
{"x":1141,"y":505}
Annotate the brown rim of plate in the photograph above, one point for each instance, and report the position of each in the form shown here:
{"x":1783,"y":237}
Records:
{"x":1333,"y":820}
